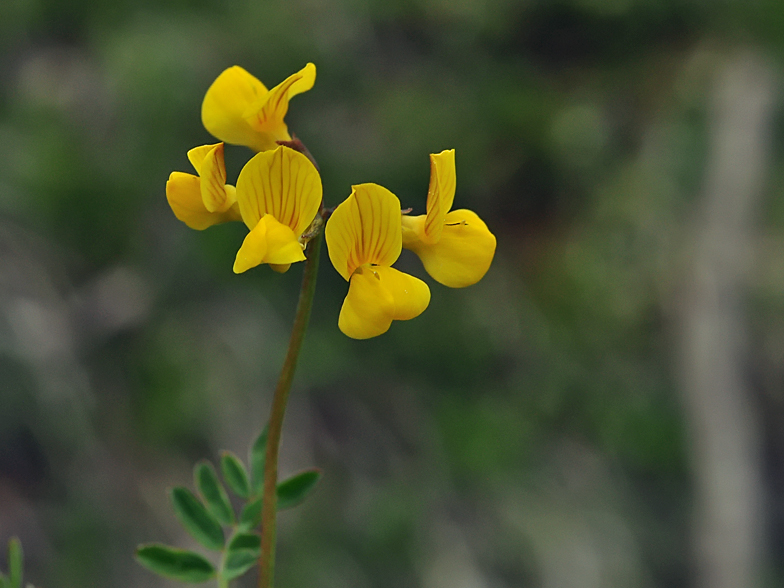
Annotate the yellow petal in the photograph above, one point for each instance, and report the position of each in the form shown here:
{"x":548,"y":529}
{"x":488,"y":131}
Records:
{"x":281,"y":268}
{"x":213,"y":180}
{"x":413,"y":230}
{"x":197,"y":154}
{"x":462,"y":255}
{"x":183,"y":191}
{"x":365,"y":228}
{"x":268,"y":242}
{"x":283,"y":183}
{"x":440,"y":194}
{"x":224,"y":106}
{"x":266,"y":114}
{"x":378,"y":295}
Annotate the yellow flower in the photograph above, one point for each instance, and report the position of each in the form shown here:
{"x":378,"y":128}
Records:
{"x":204,"y":200}
{"x":279,"y":195}
{"x":364,"y":239}
{"x":238,"y":108}
{"x":455,"y":247}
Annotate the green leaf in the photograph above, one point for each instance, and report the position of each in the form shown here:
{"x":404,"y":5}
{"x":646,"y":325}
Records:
{"x":238,"y":562}
{"x":178,"y":564}
{"x":246,"y":541}
{"x":235,"y":475}
{"x":4,"y":581}
{"x":251,"y":515}
{"x":258,"y":455}
{"x":293,"y":491}
{"x":213,"y":493}
{"x":203,"y":526}
{"x":15,"y":558}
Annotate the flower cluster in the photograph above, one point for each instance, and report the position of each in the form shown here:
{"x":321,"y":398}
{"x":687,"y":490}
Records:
{"x":278,"y":195}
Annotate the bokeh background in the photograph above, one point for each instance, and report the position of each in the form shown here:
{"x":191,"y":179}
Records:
{"x":604,"y":409}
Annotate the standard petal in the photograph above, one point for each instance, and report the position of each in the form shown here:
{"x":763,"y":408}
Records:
{"x":213,"y":181}
{"x":268,"y":242}
{"x":224,"y":106}
{"x":377,"y":295}
{"x":365,"y":228}
{"x":440,"y":194}
{"x":266,"y":114}
{"x":183,"y":191}
{"x":462,"y":255}
{"x":283,"y":183}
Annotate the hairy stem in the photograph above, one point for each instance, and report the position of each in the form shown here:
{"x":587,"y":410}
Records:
{"x":278,"y":411}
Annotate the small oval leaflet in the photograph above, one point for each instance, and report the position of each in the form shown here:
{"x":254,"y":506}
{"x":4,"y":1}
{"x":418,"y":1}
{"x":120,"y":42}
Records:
{"x":245,"y":541}
{"x":213,"y":493}
{"x":237,"y":562}
{"x":258,"y":456}
{"x":293,"y":491}
{"x":178,"y":564}
{"x":203,"y":526}
{"x":235,"y":475}
{"x":251,"y":515}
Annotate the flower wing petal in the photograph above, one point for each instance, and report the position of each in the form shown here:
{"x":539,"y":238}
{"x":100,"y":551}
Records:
{"x":441,"y":193}
{"x":378,"y":295}
{"x":213,"y":181}
{"x":183,"y":191}
{"x":283,"y":183}
{"x":225,"y":103}
{"x":411,"y":295}
{"x":365,"y":228}
{"x":197,"y":154}
{"x":462,"y":255}
{"x":266,"y":114}
{"x":368,"y":308}
{"x":268,"y":242}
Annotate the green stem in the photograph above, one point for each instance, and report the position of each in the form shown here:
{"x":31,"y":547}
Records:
{"x":278,"y":411}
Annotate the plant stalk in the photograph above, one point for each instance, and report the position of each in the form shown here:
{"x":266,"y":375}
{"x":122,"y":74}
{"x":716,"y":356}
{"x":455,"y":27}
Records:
{"x":278,"y":411}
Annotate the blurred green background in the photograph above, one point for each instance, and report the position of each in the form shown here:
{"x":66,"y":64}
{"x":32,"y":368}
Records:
{"x":538,"y":429}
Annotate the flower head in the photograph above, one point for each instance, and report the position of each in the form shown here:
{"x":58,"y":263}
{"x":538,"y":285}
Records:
{"x":204,"y":200}
{"x":364,"y":240}
{"x":455,"y":247}
{"x":238,"y":108}
{"x":279,"y":194}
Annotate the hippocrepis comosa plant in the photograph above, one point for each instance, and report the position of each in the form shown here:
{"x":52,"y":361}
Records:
{"x":278,"y":195}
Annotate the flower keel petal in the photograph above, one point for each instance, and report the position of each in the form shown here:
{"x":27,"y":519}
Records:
{"x":462,"y":255}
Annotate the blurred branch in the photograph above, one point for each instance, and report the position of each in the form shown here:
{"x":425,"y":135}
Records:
{"x":723,"y":427}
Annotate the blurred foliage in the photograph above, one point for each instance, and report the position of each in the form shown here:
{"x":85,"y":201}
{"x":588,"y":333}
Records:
{"x":526,"y":431}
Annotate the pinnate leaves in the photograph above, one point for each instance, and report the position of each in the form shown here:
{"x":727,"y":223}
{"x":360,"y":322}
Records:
{"x":205,"y":516}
